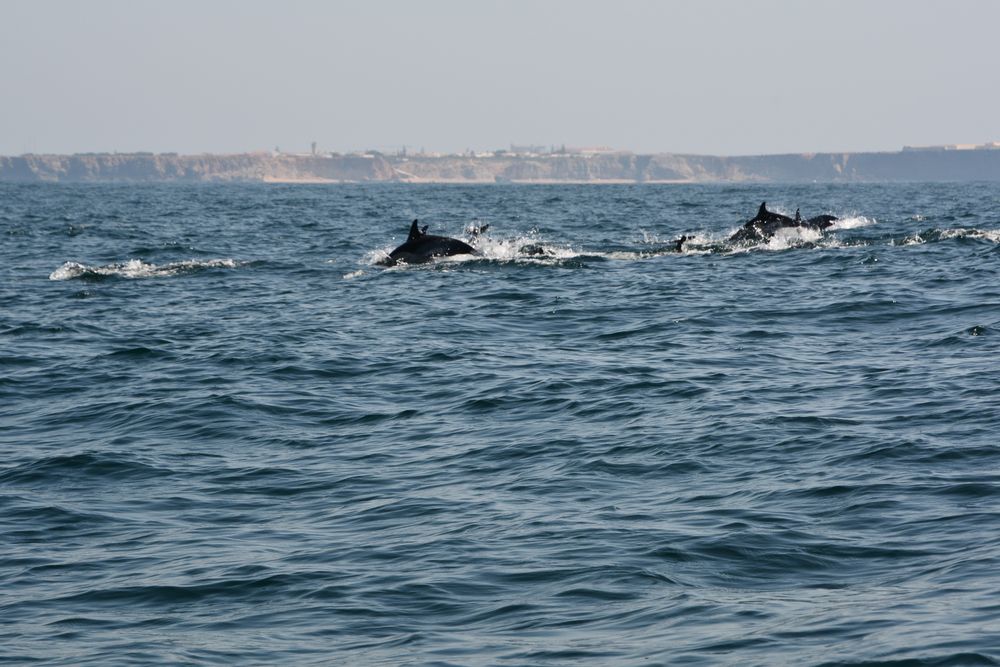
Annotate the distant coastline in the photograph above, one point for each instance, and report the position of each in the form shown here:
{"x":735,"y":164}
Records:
{"x":942,"y":163}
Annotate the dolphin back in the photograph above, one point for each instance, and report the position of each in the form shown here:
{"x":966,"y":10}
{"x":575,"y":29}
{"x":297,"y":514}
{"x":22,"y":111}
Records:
{"x":421,"y":247}
{"x":766,"y":223}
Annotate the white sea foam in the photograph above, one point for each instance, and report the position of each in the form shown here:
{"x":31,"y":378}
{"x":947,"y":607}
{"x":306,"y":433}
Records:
{"x":782,"y":239}
{"x":136,"y":268}
{"x":960,"y":233}
{"x":695,"y":243}
{"x":67,"y":271}
{"x":526,"y":247}
{"x":992,"y":235}
{"x":852,"y":222}
{"x":789,"y":237}
{"x":377,"y":256}
{"x":916,"y":239}
{"x":701,"y":243}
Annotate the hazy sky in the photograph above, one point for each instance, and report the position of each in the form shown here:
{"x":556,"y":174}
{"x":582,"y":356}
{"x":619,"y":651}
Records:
{"x":695,"y":76}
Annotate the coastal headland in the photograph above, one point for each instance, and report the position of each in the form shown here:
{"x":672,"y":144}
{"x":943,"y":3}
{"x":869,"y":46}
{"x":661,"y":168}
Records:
{"x":942,"y":163}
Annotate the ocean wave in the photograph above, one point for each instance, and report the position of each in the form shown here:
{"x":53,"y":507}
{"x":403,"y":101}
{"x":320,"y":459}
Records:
{"x":991,"y":235}
{"x":79,"y":467}
{"x":136,"y":268}
{"x":579,"y":446}
{"x":852,"y":222}
{"x":960,"y":233}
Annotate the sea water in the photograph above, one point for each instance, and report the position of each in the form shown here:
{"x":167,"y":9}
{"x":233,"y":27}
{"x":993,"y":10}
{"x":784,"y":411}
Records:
{"x":229,"y":435}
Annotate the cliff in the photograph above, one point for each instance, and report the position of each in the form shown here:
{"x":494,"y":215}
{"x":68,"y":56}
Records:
{"x":971,"y":165}
{"x":147,"y":167}
{"x":929,"y":165}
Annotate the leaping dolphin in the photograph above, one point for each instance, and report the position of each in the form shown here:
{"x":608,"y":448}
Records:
{"x":422,"y":247}
{"x":764,"y":225}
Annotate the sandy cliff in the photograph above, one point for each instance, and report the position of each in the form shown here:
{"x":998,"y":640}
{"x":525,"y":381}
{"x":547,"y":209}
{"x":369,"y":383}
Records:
{"x":627,"y":167}
{"x":147,"y":167}
{"x":965,"y":165}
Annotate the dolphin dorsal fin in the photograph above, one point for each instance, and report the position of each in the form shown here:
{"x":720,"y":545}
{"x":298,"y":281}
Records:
{"x":762,"y":211}
{"x":415,"y":232}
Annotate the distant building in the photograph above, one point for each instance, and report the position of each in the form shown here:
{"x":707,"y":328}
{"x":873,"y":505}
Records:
{"x":592,"y":150}
{"x":527,"y":149}
{"x":989,"y":146}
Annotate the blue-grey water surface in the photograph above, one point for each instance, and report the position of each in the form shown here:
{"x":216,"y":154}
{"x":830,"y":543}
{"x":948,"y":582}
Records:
{"x":229,"y":436}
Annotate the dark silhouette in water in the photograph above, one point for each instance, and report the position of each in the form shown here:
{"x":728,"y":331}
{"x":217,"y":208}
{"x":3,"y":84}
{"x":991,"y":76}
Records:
{"x":764,"y":225}
{"x":679,"y":243}
{"x":535,"y":250}
{"x":422,"y":247}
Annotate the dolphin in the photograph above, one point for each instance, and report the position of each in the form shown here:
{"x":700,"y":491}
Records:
{"x":764,"y":225}
{"x":422,"y":247}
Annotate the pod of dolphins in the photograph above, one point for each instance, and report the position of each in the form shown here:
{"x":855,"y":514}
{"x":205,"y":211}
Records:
{"x":422,"y":247}
{"x":764,"y":225}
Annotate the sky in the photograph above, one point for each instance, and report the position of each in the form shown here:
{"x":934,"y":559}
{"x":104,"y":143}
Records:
{"x":717,"y":77}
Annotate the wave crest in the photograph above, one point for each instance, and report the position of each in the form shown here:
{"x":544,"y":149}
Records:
{"x":136,"y":268}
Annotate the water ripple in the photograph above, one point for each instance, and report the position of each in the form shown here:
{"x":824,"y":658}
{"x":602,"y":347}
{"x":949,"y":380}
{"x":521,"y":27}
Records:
{"x":580,"y":447}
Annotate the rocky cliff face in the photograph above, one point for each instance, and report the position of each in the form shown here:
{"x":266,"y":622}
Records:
{"x":569,"y":168}
{"x":794,"y":168}
{"x":146,"y":167}
{"x":982,"y":165}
